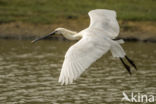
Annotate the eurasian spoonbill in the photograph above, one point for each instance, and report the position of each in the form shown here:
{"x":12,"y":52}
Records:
{"x":93,"y":43}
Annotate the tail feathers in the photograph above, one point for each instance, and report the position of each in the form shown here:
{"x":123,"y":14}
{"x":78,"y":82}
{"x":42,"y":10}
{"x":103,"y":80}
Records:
{"x":121,"y":41}
{"x":117,"y":50}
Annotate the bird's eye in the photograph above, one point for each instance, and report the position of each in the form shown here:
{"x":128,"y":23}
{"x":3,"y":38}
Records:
{"x":56,"y":31}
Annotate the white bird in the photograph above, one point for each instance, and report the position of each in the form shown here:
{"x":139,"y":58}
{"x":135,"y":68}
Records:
{"x":93,"y":43}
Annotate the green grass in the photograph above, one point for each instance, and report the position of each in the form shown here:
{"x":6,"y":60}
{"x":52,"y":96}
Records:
{"x":51,"y":11}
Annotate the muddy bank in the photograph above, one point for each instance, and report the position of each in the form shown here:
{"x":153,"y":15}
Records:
{"x":129,"y":30}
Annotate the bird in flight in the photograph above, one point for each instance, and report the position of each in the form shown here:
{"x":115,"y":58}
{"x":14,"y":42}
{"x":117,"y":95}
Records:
{"x":93,"y":43}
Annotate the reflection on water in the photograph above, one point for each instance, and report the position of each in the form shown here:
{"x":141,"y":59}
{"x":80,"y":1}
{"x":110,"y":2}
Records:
{"x":29,"y":74}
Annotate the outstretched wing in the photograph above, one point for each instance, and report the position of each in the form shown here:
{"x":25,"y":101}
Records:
{"x":79,"y":57}
{"x":104,"y":22}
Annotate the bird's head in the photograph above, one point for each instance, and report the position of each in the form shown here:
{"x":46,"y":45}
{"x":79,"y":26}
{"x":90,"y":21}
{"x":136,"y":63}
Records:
{"x":59,"y":30}
{"x":56,"y":31}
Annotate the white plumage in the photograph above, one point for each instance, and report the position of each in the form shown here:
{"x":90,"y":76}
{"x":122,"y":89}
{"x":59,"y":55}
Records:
{"x":104,"y":22}
{"x":79,"y":57}
{"x":93,"y":43}
{"x":96,"y":41}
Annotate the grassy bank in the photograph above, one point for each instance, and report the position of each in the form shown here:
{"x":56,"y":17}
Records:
{"x":129,"y":30}
{"x":52,"y":11}
{"x":22,"y":19}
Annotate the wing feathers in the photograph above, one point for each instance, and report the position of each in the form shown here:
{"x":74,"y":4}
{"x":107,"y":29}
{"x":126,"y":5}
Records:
{"x":104,"y":22}
{"x":103,"y":27}
{"x":79,"y":57}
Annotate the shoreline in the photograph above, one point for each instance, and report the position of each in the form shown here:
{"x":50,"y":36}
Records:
{"x":136,"y":31}
{"x":127,"y":39}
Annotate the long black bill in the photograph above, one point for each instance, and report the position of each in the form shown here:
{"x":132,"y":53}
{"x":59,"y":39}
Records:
{"x":43,"y":37}
{"x":126,"y":66}
{"x":131,"y":62}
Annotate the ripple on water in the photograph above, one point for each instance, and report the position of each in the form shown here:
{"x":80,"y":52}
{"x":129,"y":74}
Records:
{"x":29,"y":75}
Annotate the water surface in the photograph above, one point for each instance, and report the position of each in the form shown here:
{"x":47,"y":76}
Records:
{"x":29,"y":74}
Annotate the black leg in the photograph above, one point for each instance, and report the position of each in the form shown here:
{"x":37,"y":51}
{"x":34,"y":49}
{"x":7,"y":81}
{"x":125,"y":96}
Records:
{"x":126,"y":66}
{"x":131,"y":62}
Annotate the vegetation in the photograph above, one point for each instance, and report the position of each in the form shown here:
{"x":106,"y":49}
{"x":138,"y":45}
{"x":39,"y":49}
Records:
{"x":53,"y":11}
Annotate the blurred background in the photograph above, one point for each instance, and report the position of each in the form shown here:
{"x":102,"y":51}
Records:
{"x":29,"y":72}
{"x":25,"y":19}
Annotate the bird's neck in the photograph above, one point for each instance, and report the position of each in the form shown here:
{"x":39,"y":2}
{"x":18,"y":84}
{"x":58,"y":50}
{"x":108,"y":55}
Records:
{"x":70,"y":35}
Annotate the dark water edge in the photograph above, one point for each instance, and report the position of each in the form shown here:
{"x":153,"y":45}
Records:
{"x":29,"y":37}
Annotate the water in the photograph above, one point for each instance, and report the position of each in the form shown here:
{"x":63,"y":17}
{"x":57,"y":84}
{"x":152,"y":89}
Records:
{"x":29,"y":74}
